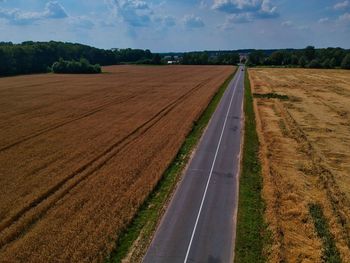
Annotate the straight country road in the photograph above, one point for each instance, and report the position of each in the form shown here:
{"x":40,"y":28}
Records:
{"x":200,"y":222}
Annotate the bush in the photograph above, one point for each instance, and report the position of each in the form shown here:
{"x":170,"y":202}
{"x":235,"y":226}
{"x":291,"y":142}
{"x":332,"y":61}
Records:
{"x":75,"y":67}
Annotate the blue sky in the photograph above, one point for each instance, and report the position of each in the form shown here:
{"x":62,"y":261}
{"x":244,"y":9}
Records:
{"x":179,"y":25}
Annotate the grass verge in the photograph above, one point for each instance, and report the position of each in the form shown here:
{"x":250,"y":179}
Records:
{"x":251,"y":233}
{"x":145,"y":222}
{"x":330,"y":251}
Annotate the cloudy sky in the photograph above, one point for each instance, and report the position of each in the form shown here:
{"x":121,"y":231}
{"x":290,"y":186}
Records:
{"x":179,"y":25}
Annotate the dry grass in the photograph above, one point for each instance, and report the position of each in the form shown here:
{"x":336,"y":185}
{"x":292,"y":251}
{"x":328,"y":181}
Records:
{"x":305,"y":144}
{"x":79,"y":154}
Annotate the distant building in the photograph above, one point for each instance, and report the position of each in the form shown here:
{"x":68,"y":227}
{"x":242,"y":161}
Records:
{"x":172,"y":62}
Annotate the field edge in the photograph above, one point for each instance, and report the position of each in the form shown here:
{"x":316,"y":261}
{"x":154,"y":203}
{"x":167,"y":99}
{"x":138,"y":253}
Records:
{"x":252,"y":236}
{"x":136,"y":237}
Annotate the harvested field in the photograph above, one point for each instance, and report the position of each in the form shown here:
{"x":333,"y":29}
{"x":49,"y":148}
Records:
{"x":304,"y":131}
{"x":79,"y":154}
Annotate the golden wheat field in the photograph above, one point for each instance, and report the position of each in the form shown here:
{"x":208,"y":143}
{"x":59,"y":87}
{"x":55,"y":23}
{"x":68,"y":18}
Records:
{"x":80,"y":153}
{"x":305,"y":151}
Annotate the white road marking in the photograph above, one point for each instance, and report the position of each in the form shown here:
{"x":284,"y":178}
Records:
{"x":212,"y":167}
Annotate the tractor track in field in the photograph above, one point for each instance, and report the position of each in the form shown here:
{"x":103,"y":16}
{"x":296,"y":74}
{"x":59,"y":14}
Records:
{"x":15,"y":226}
{"x":63,"y":123}
{"x":33,"y":85}
{"x":336,"y":197}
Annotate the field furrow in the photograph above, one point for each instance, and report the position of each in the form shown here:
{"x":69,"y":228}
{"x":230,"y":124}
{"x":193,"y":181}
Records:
{"x":79,"y":184}
{"x":58,"y":125}
{"x":64,"y":186}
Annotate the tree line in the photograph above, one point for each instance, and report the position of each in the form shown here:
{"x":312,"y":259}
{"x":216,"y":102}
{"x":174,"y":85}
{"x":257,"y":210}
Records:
{"x":38,"y":57}
{"x":310,"y":57}
{"x":206,"y":58}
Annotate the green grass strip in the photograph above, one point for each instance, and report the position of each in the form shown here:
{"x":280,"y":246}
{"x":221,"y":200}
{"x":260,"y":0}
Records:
{"x":251,"y":229}
{"x":330,"y":252}
{"x":149,"y":213}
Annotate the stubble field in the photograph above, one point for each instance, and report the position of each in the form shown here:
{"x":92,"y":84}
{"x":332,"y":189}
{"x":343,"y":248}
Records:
{"x":305,"y":152}
{"x":79,"y":154}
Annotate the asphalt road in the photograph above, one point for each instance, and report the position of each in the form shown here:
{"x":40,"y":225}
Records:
{"x":200,"y":221}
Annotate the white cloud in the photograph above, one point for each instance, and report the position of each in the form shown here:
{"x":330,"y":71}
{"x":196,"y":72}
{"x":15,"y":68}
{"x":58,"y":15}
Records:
{"x":260,"y":9}
{"x":323,"y":20}
{"x":236,"y":6}
{"x":53,"y":10}
{"x":81,"y":22}
{"x":239,"y":18}
{"x":266,"y":10}
{"x":233,"y":19}
{"x":287,"y":23}
{"x":203,"y":4}
{"x":341,"y":5}
{"x":169,"y":21}
{"x":165,"y":21}
{"x":138,"y":13}
{"x":344,"y":17}
{"x":244,"y":11}
{"x":292,"y":25}
{"x":191,"y":21}
{"x":135,"y":13}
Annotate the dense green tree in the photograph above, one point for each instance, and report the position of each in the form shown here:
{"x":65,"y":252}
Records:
{"x":345,"y":64}
{"x":204,"y":58}
{"x":302,"y":62}
{"x":310,"y":53}
{"x":276,"y":58}
{"x":326,"y":63}
{"x":294,"y":60}
{"x":315,"y":63}
{"x":75,"y":67}
{"x":156,"y":59}
{"x":307,"y":57}
{"x":333,"y":63}
{"x":227,"y":59}
{"x":234,"y":59}
{"x":257,"y":57}
{"x":6,"y":61}
{"x":36,"y":57}
{"x":339,"y":55}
